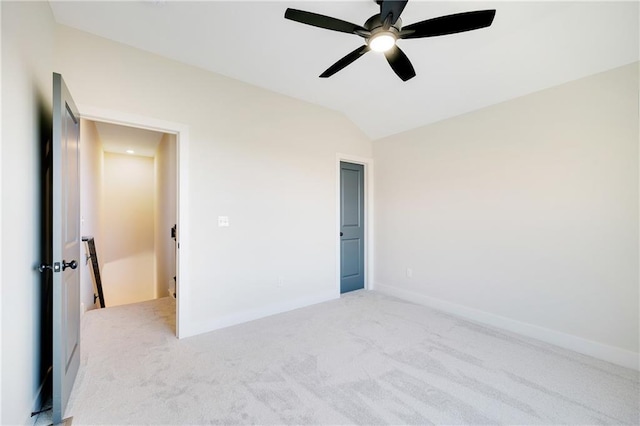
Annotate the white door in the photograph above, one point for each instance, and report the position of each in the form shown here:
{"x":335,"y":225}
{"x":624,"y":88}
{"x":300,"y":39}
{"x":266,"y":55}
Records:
{"x":66,"y":244}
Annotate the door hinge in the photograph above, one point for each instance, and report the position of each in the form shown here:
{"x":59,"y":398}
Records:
{"x":55,"y":267}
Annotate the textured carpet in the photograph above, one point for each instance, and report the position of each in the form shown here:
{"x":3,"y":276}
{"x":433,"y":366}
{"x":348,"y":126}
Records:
{"x":363,"y":359}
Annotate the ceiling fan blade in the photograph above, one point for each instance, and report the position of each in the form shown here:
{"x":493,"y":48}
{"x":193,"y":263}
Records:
{"x":322,"y":21}
{"x":393,"y":8}
{"x":449,"y":24}
{"x":345,"y":61}
{"x":400,"y":63}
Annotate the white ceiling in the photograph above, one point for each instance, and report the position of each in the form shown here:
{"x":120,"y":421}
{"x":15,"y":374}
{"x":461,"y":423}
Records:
{"x":119,"y":139}
{"x":530,"y":46}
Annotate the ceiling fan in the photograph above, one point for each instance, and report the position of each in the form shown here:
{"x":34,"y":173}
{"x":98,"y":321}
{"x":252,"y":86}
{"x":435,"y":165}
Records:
{"x":381,"y":32}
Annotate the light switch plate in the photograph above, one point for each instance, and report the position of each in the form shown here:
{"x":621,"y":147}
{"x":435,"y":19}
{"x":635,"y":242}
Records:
{"x":223,"y":221}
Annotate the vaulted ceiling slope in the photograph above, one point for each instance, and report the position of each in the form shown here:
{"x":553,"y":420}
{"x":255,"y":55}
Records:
{"x":530,"y":46}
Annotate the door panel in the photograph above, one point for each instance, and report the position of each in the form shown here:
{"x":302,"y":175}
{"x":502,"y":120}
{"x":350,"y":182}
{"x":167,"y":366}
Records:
{"x":351,"y":227}
{"x":65,"y":245}
{"x":350,"y":258}
{"x":351,"y":188}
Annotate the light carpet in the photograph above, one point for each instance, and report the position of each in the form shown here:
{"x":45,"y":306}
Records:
{"x":365,"y":358}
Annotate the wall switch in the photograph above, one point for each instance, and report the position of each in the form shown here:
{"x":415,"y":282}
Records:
{"x":280,"y":281}
{"x":409,"y":273}
{"x":223,"y":221}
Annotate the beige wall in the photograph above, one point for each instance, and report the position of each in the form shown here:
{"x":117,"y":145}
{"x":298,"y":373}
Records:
{"x":128,"y":229}
{"x":91,"y":164}
{"x":524,"y":214}
{"x":266,"y":161}
{"x":27,"y":65}
{"x":165,"y":213}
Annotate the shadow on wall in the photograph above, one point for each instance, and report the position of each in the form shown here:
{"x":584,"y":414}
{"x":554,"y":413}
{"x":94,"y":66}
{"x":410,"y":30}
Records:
{"x":45,"y":293}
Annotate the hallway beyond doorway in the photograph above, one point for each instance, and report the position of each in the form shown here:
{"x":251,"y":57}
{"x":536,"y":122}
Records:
{"x":129,"y":207}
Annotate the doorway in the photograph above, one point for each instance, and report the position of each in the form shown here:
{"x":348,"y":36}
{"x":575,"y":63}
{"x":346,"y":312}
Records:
{"x":352,"y":231}
{"x":367,"y":207}
{"x":181,"y":133}
{"x":129,"y":205}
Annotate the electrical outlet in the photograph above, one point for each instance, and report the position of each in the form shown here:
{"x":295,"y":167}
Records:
{"x":409,"y":273}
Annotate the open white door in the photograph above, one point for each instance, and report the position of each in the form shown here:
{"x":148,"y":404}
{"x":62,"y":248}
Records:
{"x":66,"y":245}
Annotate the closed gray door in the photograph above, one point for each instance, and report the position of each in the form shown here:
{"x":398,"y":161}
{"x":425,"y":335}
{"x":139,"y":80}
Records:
{"x":351,"y":227}
{"x":66,"y":245}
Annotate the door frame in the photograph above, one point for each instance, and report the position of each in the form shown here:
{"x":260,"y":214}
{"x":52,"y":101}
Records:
{"x":368,"y":219}
{"x":181,"y":131}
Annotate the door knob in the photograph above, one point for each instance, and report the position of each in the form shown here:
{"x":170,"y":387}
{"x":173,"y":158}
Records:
{"x":341,"y":234}
{"x":73,"y":264}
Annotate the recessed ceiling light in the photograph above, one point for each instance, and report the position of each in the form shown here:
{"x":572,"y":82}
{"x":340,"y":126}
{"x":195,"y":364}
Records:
{"x":130,"y":151}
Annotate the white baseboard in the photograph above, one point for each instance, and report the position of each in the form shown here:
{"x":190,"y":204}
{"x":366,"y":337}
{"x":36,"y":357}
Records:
{"x":598,"y":350}
{"x":250,"y":315}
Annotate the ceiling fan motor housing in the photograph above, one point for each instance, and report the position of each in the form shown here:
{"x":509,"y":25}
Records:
{"x":375,"y":27}
{"x":375,"y":23}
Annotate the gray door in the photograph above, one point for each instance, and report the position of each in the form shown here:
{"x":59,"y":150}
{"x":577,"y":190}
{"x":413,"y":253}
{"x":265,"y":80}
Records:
{"x":66,"y":245}
{"x":351,"y":227}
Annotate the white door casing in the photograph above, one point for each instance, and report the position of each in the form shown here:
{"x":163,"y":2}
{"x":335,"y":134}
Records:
{"x":184,"y":327}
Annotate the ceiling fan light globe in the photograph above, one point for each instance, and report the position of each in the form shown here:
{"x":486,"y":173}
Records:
{"x":382,"y":42}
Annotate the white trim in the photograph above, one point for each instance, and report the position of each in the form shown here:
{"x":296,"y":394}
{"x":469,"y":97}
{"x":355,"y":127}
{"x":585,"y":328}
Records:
{"x":638,"y":235}
{"x":1,"y":227}
{"x":258,"y":313}
{"x":598,"y":350}
{"x":369,"y":223}
{"x":182,"y":140}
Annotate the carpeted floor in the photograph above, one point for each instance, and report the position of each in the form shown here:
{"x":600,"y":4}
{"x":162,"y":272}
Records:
{"x":363,"y":359}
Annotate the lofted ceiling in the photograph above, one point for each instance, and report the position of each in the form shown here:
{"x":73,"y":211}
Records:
{"x":530,"y":46}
